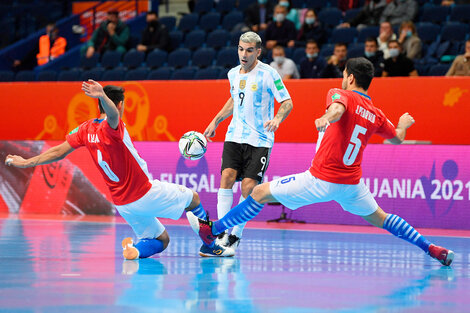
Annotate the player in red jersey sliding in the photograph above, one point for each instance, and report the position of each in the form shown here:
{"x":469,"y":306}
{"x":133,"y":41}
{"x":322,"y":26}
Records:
{"x":350,"y":120}
{"x":137,"y":197}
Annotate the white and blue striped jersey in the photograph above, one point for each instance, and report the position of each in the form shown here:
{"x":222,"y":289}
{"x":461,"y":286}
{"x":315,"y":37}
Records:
{"x":253,"y":104}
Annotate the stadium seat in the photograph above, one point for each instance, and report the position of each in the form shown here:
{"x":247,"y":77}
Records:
{"x":94,"y":73}
{"x":435,"y":14}
{"x":460,"y":13}
{"x":327,"y":50}
{"x":188,"y":22}
{"x":228,"y":57}
{"x":439,"y":69}
{"x":427,"y":32}
{"x":169,"y":22}
{"x":297,"y":4}
{"x":88,"y":63}
{"x":137,"y":74}
{"x":209,"y":21}
{"x":195,"y":39}
{"x":218,"y":38}
{"x":163,"y":73}
{"x":346,"y":35}
{"x":208,"y":73}
{"x":156,"y":58}
{"x":47,"y":76}
{"x":203,"y":6}
{"x":111,"y":59}
{"x":225,"y":6}
{"x":223,"y":73}
{"x":244,"y":4}
{"x":70,"y":75}
{"x":25,"y":76}
{"x":371,"y":31}
{"x":203,"y":57}
{"x":185,"y":73}
{"x":351,"y":13}
{"x":176,"y":38}
{"x":232,"y":19}
{"x":179,"y":58}
{"x":235,"y":38}
{"x":133,"y":59}
{"x":330,"y":17}
{"x":316,"y":4}
{"x":113,"y":75}
{"x":298,"y":55}
{"x":454,"y":32}
{"x":7,"y":76}
{"x":422,"y":68}
{"x":355,"y":51}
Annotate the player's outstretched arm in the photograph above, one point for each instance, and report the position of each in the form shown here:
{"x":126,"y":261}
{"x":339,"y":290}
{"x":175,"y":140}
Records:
{"x":51,"y":155}
{"x":225,"y":112}
{"x":282,"y":113}
{"x":333,"y":114}
{"x":95,"y":90}
{"x":405,"y":122}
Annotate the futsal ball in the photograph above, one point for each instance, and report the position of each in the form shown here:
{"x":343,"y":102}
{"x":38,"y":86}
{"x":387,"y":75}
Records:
{"x":193,"y":145}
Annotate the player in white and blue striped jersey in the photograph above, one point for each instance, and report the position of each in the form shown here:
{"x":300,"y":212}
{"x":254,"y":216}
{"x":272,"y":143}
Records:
{"x":250,"y":136}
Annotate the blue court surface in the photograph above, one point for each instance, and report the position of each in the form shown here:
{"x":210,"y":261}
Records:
{"x":76,"y":266}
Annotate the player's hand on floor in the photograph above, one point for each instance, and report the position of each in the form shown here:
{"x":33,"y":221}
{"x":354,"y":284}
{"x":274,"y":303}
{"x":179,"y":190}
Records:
{"x":321,"y":124}
{"x":15,"y":160}
{"x":272,"y":125}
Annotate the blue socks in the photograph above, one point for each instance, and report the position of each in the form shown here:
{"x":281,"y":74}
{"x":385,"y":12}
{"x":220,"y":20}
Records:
{"x":400,"y":228}
{"x":199,"y":212}
{"x":242,"y":213}
{"x":148,"y":247}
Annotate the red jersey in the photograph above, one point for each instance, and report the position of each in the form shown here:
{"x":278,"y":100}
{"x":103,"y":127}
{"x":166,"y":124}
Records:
{"x":115,"y":156}
{"x":339,"y":151}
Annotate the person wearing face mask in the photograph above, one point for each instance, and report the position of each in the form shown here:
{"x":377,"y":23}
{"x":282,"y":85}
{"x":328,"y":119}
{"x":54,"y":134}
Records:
{"x":385,"y":35}
{"x":312,"y":66}
{"x":311,"y":29}
{"x":374,"y":55}
{"x":284,"y":66}
{"x":154,"y":36}
{"x":292,"y":13}
{"x":258,"y":15}
{"x":336,"y":62}
{"x":368,"y":16}
{"x":398,"y":64}
{"x":409,"y":40}
{"x":398,"y":11}
{"x":281,"y":31}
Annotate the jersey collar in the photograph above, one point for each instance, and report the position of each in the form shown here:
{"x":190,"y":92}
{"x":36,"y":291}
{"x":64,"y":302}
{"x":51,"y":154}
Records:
{"x":362,"y":94}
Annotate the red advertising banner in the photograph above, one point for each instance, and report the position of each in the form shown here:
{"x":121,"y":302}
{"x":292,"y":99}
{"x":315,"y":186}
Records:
{"x":164,"y":110}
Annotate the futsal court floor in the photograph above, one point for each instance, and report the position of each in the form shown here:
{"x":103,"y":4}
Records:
{"x":63,"y":265}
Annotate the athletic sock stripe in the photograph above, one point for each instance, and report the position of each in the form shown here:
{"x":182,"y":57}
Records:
{"x":417,"y":237}
{"x":395,"y":220}
{"x":400,"y":224}
{"x":387,"y":220}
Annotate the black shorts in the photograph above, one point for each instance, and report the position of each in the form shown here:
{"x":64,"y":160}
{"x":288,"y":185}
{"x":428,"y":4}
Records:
{"x":248,"y":161}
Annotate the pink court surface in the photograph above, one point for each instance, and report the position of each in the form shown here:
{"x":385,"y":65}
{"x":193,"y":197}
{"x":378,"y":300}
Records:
{"x":69,"y":264}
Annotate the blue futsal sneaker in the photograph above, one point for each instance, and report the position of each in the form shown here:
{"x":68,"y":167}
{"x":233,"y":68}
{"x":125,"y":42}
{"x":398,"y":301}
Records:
{"x":203,"y":228}
{"x":216,"y":250}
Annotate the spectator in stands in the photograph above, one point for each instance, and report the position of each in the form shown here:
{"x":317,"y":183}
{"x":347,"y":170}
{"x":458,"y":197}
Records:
{"x":154,"y":36}
{"x":281,"y":31}
{"x":398,"y":64}
{"x":284,"y":66}
{"x":399,"y":11}
{"x":385,"y":35}
{"x":312,"y":65}
{"x":335,"y":64}
{"x":258,"y":15}
{"x":312,"y":29}
{"x":409,"y":40}
{"x":374,"y":55}
{"x":461,"y":64}
{"x":369,"y":15}
{"x":50,"y":47}
{"x":345,"y":5}
{"x":112,"y":34}
{"x":292,"y":13}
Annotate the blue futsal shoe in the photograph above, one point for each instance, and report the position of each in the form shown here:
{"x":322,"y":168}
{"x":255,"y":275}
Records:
{"x":216,"y":250}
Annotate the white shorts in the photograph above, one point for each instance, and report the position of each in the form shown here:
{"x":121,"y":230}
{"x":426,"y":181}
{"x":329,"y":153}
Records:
{"x":301,"y":189}
{"x":162,"y":200}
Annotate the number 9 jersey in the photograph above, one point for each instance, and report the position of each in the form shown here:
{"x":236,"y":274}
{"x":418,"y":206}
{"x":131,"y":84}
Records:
{"x":124,"y":171}
{"x":339,"y":150}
